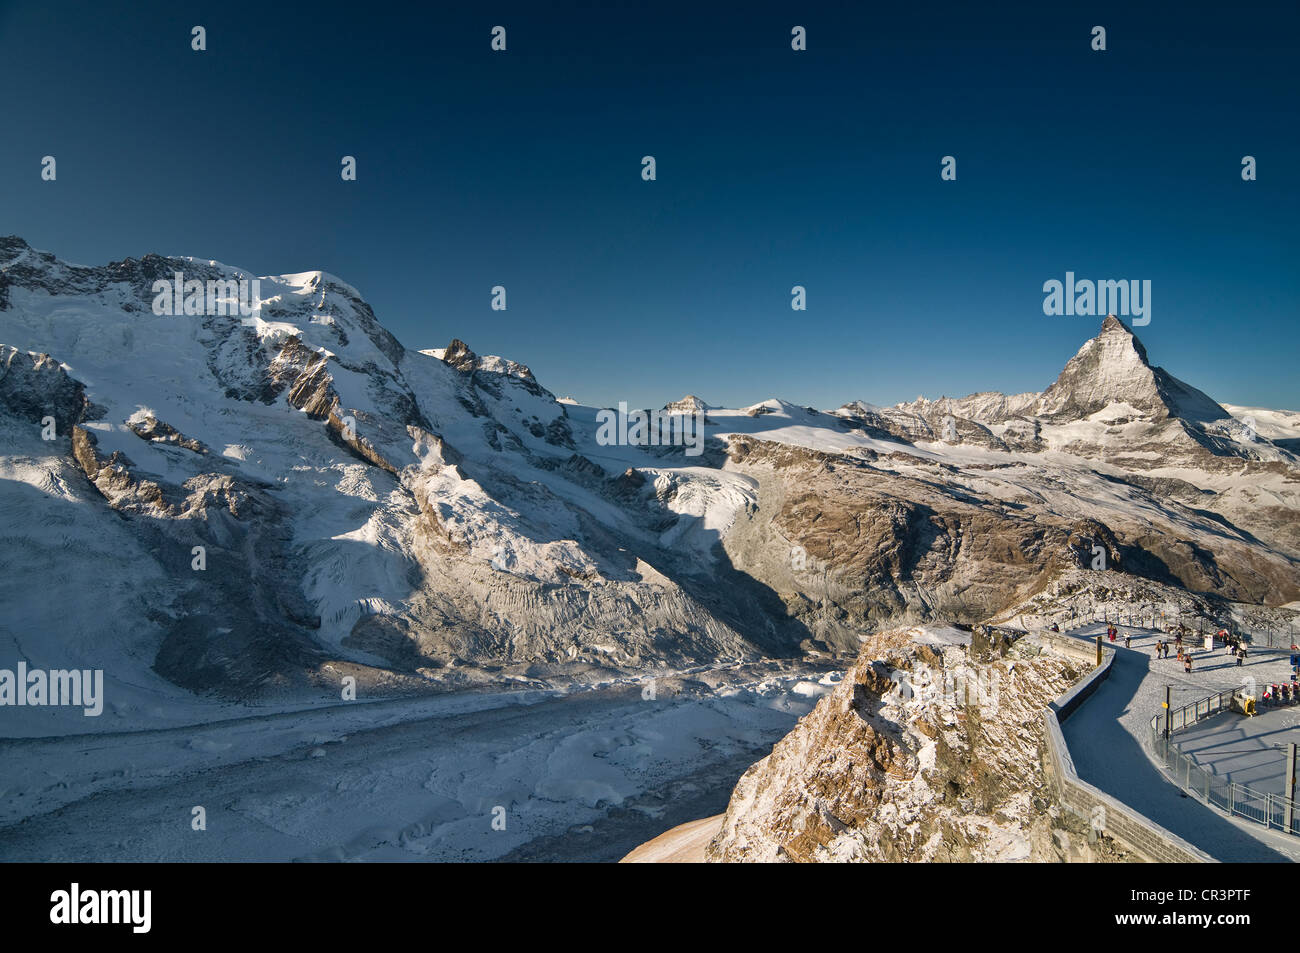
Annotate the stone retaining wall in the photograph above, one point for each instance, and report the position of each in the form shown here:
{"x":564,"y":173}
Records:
{"x":1116,"y":819}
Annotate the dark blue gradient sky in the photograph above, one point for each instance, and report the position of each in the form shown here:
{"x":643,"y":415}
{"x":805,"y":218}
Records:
{"x":775,"y":168}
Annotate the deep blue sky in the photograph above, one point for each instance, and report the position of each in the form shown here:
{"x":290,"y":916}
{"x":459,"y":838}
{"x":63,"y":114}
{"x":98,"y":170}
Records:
{"x":775,"y":168}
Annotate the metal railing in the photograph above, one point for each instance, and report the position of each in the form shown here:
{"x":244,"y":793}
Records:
{"x":1236,"y":799}
{"x":1196,"y":711}
{"x":1280,"y":635}
{"x":1137,"y":618}
{"x":1272,"y":637}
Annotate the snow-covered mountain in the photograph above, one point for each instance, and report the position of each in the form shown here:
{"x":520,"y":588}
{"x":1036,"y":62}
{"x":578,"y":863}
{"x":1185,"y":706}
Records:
{"x":425,"y":519}
{"x":1109,"y":403}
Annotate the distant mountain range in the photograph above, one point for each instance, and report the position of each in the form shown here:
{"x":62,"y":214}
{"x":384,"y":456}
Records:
{"x":217,"y":504}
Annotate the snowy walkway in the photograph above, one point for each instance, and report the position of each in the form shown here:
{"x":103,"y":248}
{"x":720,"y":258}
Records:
{"x":1108,"y":739}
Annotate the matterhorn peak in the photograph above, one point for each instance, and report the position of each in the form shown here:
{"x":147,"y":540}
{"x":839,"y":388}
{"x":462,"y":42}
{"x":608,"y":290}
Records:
{"x":1125,"y":342}
{"x":1112,"y":369}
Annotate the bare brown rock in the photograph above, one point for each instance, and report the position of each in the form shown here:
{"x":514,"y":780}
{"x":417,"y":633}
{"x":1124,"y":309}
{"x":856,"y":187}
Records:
{"x":916,"y":756}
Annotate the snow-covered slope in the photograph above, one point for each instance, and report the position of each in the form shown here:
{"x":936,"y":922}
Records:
{"x":1281,"y":427}
{"x":363,"y":509}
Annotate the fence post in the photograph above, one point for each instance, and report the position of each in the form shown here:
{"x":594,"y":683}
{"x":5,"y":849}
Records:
{"x":1288,"y":807}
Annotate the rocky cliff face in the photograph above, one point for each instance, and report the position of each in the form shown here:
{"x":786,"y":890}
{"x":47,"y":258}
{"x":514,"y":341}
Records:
{"x":35,"y":386}
{"x":927,"y":751}
{"x":855,"y":542}
{"x":877,"y":545}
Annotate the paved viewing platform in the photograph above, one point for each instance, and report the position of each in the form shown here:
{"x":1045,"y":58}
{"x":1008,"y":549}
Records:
{"x":1109,"y":740}
{"x":1249,"y":751}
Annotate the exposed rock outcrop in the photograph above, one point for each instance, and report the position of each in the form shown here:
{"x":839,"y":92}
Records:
{"x":920,"y":754}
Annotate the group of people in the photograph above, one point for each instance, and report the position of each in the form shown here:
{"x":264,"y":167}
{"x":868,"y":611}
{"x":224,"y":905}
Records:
{"x":1235,"y":646}
{"x":1184,"y":655}
{"x":1277,"y":694}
